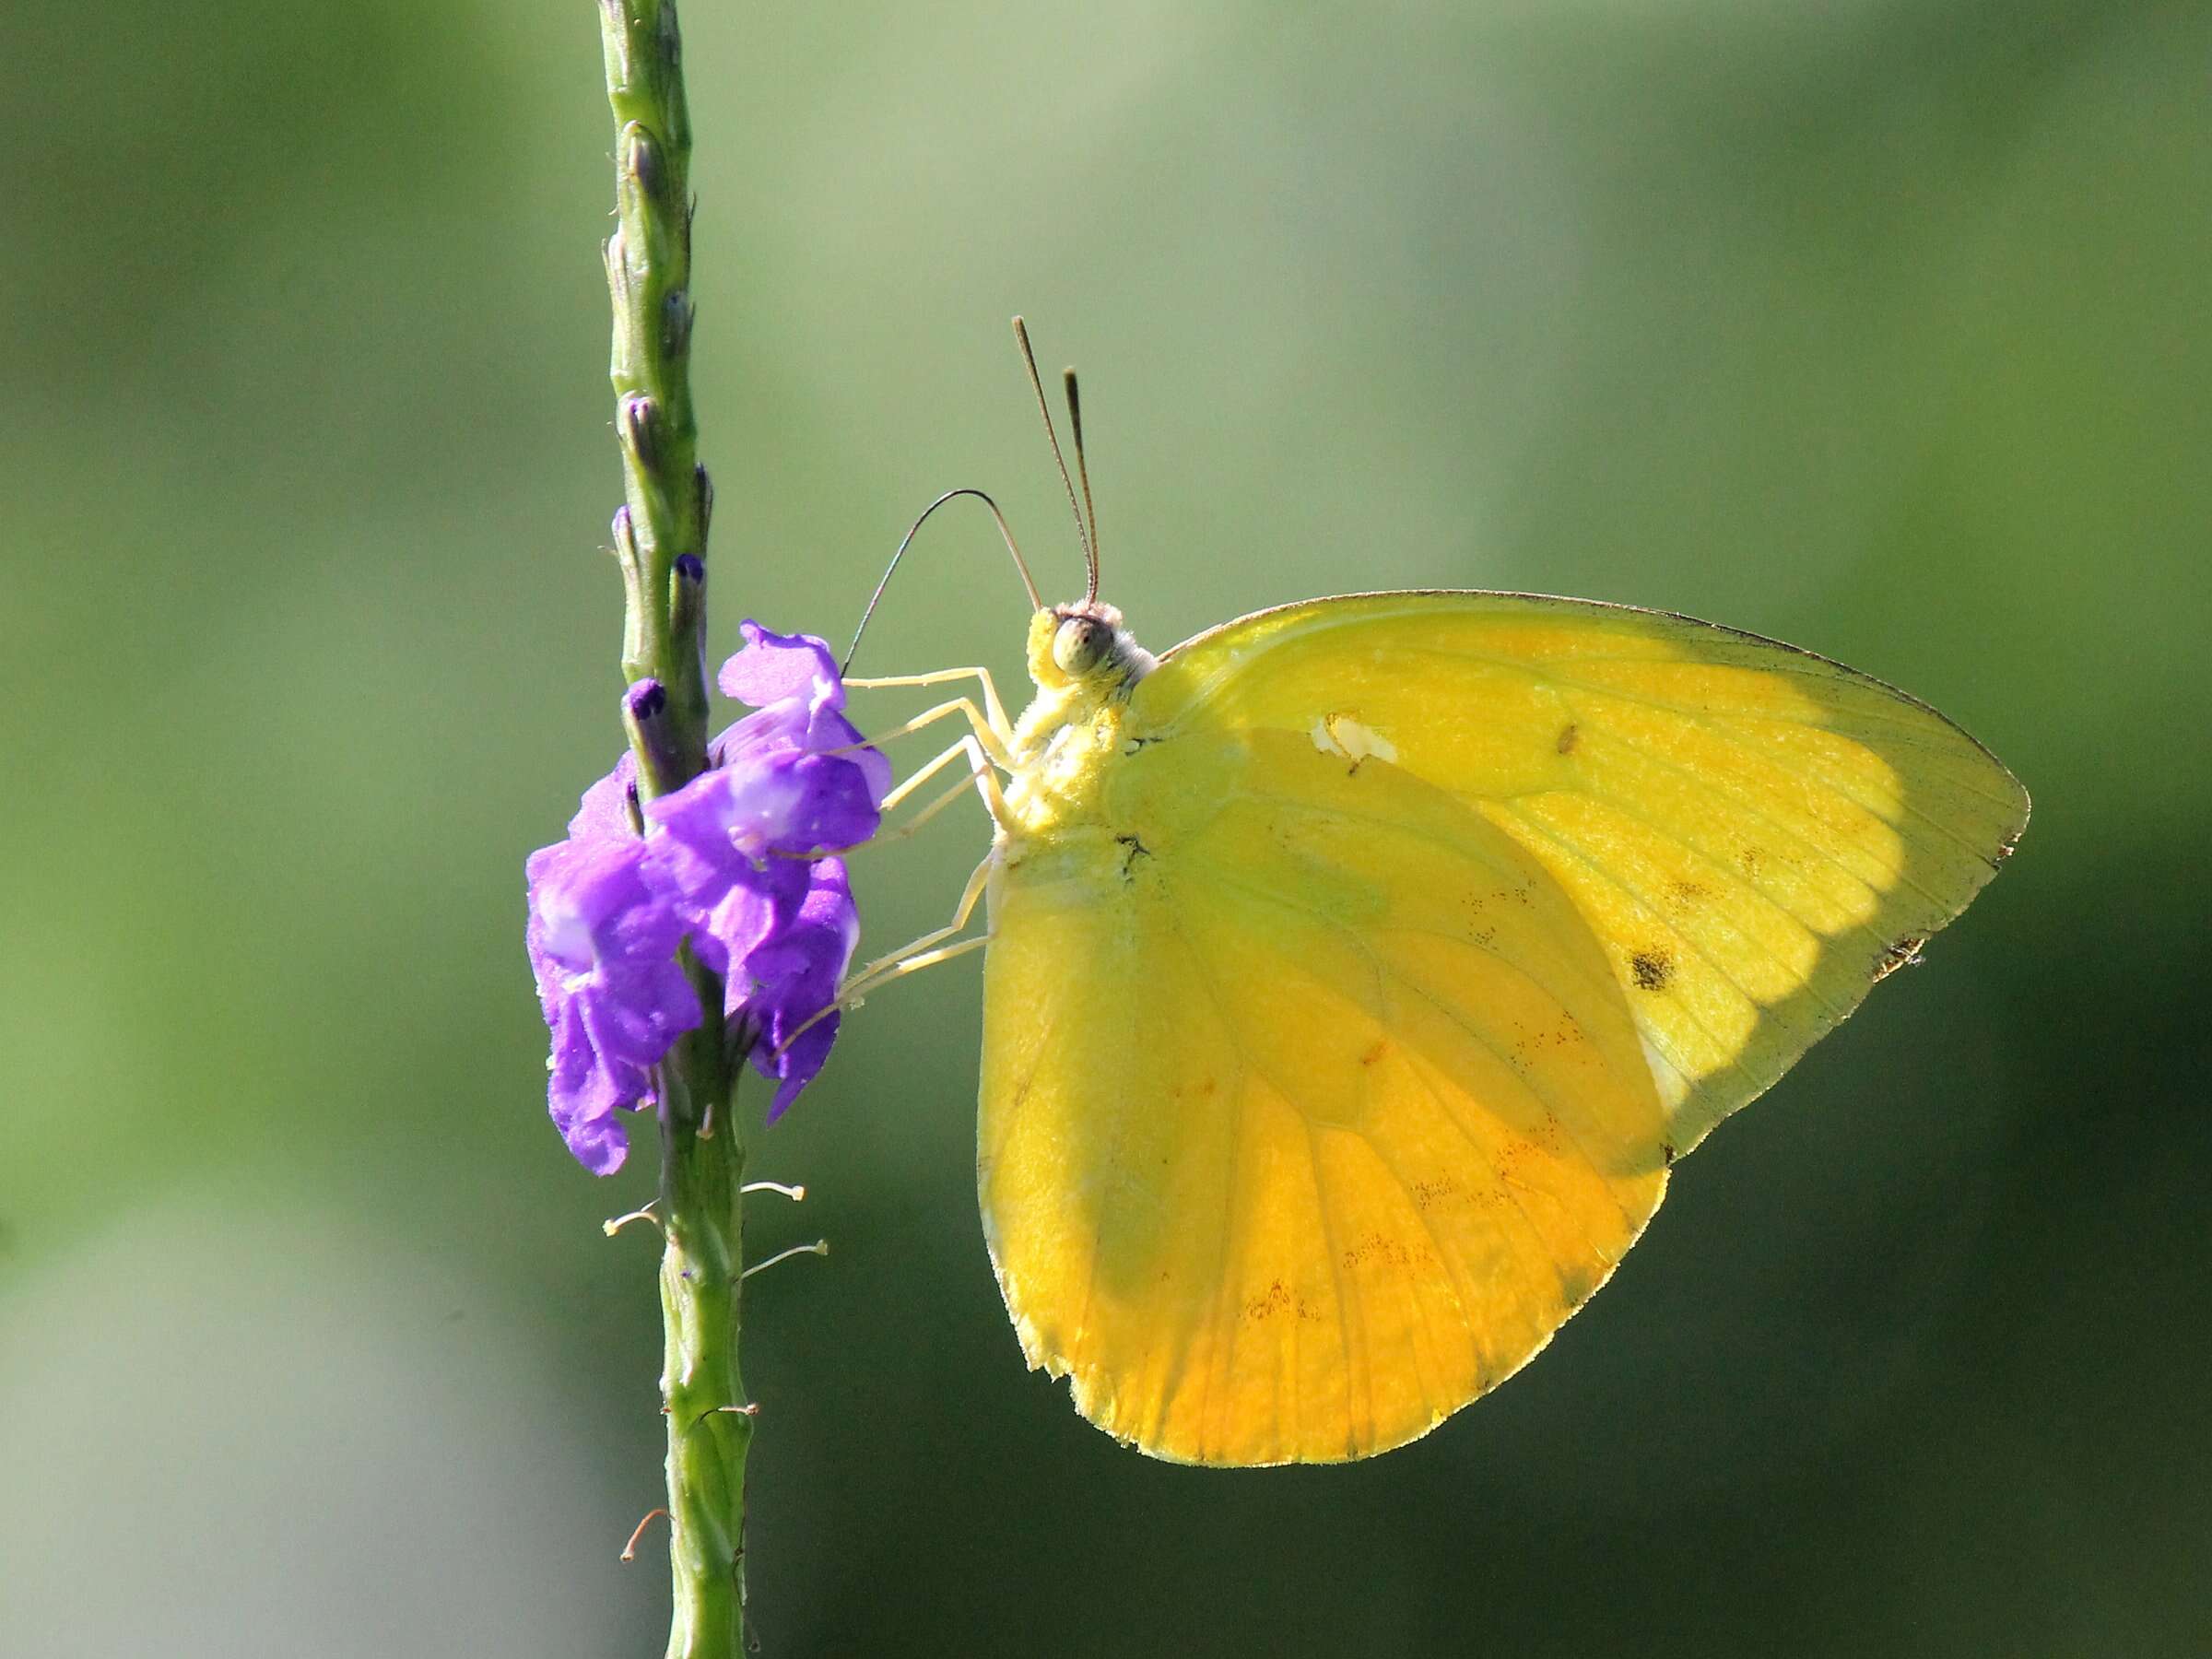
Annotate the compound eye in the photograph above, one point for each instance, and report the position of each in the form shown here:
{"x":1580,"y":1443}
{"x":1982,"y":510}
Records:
{"x":1079,"y":644}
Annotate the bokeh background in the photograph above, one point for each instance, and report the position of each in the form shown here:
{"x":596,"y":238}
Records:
{"x":1878,"y":326}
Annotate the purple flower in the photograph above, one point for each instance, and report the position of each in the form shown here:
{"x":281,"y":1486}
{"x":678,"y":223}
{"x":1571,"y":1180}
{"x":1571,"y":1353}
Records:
{"x":739,"y":850}
{"x":602,"y":951}
{"x":737,"y":861}
{"x":734,"y":848}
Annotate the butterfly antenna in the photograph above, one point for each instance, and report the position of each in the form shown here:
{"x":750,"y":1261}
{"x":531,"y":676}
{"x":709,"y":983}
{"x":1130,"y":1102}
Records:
{"x":1029,"y":357}
{"x":1075,"y":419}
{"x":1035,"y":602}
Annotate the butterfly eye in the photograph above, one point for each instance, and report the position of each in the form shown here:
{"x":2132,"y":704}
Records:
{"x":1080,"y":643}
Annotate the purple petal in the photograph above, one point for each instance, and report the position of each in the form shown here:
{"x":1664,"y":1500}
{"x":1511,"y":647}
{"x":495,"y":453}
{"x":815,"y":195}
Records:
{"x":604,"y":810}
{"x":757,"y":905}
{"x":794,"y":976}
{"x":775,"y":668}
{"x":829,"y":731}
{"x":582,"y":1094}
{"x":598,"y":1143}
{"x":755,"y":803}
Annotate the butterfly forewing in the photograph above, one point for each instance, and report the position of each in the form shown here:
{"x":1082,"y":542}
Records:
{"x":1755,"y":834}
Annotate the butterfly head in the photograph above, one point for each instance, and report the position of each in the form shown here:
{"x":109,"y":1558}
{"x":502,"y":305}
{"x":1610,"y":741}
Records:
{"x":1085,"y":645}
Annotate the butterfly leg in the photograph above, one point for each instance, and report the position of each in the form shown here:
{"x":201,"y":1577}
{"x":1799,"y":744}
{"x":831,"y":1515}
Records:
{"x":910,"y":957}
{"x":995,"y":743}
{"x":996,"y":710}
{"x":971,"y":896}
{"x":981,"y":778}
{"x":858,"y":991}
{"x":981,"y":775}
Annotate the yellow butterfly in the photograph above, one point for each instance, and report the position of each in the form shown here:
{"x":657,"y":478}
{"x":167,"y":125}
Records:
{"x":1358,"y":969}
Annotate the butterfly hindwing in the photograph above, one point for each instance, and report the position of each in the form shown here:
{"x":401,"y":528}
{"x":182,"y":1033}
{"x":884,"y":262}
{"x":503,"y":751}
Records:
{"x":1309,"y":1109}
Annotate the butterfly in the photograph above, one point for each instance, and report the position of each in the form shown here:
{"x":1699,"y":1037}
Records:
{"x":1356,"y":971}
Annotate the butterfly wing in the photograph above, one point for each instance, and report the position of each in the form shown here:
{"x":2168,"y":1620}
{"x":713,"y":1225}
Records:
{"x":1336,"y":1058}
{"x":1310,"y":1110}
{"x":1756,"y":835}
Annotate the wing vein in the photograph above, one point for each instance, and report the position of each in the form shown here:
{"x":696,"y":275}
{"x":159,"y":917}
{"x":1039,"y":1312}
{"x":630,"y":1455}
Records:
{"x":1733,"y":1052}
{"x":1225,"y":1328}
{"x":1739,"y":792}
{"x":1450,"y":1014}
{"x":1903,"y":721}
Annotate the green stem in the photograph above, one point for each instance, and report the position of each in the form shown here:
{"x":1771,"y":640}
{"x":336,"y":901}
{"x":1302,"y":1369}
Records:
{"x":702,"y":1169}
{"x":668,"y":497}
{"x":660,"y":539}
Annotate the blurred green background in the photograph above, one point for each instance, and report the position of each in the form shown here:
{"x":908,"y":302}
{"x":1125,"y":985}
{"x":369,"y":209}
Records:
{"x":1879,"y":326}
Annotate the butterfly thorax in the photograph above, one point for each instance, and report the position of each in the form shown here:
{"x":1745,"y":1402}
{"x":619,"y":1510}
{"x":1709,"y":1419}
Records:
{"x":1084,"y":664}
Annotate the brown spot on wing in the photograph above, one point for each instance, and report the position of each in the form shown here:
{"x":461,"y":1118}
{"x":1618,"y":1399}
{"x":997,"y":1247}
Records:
{"x":1377,"y":1246}
{"x":1905,"y":953}
{"x":1427,"y":1193}
{"x":1570,"y":734}
{"x":1652,"y":968}
{"x":1276,"y":1299}
{"x":1375,"y":1053}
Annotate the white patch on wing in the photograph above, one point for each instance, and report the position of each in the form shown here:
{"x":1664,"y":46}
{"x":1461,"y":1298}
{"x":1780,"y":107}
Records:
{"x":1343,"y":734}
